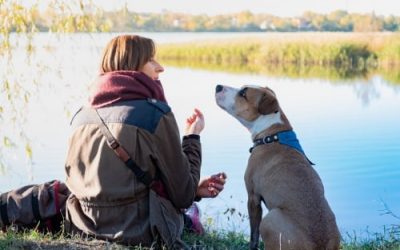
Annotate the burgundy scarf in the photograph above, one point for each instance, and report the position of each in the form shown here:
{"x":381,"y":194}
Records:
{"x":116,"y":86}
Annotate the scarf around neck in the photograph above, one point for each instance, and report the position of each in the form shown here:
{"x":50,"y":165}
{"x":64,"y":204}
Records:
{"x":116,"y":86}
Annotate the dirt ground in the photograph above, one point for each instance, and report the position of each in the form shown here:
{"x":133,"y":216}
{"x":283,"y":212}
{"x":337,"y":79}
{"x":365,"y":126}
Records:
{"x":63,"y":244}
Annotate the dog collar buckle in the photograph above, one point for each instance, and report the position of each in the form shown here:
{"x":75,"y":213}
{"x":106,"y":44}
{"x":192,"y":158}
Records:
{"x":269,"y":139}
{"x":265,"y":140}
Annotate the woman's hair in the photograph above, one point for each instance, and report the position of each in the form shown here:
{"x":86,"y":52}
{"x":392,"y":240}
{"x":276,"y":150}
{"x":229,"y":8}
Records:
{"x":127,"y":52}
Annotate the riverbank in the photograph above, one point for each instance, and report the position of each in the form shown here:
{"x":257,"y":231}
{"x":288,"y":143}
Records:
{"x":357,"y":51}
{"x":389,"y":239}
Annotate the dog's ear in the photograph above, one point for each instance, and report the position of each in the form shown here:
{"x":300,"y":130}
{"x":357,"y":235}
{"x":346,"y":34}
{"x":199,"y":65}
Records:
{"x":268,"y":104}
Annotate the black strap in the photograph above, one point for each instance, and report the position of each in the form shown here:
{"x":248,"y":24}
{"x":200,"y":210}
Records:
{"x":140,"y":174}
{"x":144,"y":177}
{"x":3,"y":210}
{"x":264,"y":140}
{"x":35,"y":204}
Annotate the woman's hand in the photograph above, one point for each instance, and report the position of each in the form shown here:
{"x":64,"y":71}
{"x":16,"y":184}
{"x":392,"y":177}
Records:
{"x":194,"y":123}
{"x":211,"y":186}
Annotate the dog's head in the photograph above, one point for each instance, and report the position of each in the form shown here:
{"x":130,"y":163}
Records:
{"x":257,"y":108}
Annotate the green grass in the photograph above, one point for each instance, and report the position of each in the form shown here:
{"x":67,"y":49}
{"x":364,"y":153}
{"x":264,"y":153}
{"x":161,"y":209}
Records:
{"x":388,"y":239}
{"x":217,"y":240}
{"x":33,"y":240}
{"x":340,"y":49}
{"x":327,"y":55}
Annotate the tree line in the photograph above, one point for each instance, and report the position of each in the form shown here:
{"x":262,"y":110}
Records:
{"x":91,"y":18}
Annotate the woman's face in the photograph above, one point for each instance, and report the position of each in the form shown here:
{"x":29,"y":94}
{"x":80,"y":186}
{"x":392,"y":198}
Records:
{"x":152,"y":69}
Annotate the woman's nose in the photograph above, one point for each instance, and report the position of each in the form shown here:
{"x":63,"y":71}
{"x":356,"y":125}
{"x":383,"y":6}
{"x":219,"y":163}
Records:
{"x":159,"y":68}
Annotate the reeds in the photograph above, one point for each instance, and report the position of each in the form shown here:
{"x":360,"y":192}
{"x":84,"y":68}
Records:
{"x":353,"y":50}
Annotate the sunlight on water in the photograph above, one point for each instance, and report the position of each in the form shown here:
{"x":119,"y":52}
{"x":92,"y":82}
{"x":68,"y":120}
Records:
{"x":348,"y":128}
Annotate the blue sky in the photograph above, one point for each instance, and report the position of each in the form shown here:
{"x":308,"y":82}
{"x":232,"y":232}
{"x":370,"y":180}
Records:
{"x":275,"y":7}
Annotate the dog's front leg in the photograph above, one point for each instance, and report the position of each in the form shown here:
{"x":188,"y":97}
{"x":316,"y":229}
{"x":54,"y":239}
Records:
{"x":255,"y":213}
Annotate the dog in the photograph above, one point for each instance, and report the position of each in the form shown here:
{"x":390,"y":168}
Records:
{"x":280,"y":175}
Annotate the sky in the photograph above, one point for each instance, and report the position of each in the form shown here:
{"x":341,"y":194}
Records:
{"x":284,"y":8}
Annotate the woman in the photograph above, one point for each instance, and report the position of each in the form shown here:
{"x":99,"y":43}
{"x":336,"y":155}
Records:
{"x":106,"y":199}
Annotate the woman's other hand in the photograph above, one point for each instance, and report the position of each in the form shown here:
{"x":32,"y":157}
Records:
{"x":211,"y":186}
{"x":194,"y":123}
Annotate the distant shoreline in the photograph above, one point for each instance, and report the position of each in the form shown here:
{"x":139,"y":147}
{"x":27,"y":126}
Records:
{"x":342,"y":49}
{"x":336,"y":55}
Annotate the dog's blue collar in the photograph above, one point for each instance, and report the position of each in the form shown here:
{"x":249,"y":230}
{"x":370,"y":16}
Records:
{"x":285,"y":137}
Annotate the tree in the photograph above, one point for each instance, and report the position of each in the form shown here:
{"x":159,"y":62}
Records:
{"x":391,"y":24}
{"x":19,"y":24}
{"x":367,"y":23}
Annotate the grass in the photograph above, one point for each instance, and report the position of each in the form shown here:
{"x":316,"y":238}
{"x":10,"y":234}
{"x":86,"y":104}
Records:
{"x":343,"y":49}
{"x":388,"y":239}
{"x":332,"y":55}
{"x":217,"y":240}
{"x":34,"y":240}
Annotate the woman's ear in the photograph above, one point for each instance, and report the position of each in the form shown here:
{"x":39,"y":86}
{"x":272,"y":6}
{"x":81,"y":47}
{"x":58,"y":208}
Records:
{"x":268,"y":104}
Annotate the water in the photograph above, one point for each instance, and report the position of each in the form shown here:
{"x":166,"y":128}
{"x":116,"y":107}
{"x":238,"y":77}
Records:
{"x":349,"y":128}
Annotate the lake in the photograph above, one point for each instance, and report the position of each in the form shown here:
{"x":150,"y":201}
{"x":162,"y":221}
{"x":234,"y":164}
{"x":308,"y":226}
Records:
{"x":348,"y":128}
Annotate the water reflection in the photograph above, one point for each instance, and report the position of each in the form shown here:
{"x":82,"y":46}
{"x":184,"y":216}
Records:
{"x":362,"y":80}
{"x":367,"y":92}
{"x":332,"y":73}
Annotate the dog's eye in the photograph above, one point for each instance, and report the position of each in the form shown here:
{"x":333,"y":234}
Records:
{"x":242,"y":92}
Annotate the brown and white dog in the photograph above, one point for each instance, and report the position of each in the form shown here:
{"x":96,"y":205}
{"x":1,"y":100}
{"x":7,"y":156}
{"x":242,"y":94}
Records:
{"x":280,"y":175}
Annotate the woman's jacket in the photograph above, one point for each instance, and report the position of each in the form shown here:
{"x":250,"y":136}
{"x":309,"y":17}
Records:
{"x":107,"y":200}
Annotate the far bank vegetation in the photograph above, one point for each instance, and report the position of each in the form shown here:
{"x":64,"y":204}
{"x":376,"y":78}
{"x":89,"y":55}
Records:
{"x":350,"y":50}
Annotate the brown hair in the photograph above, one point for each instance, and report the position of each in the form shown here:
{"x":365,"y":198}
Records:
{"x":127,"y":52}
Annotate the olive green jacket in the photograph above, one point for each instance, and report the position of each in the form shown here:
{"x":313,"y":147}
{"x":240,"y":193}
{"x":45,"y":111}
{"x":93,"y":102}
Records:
{"x":107,"y":199}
